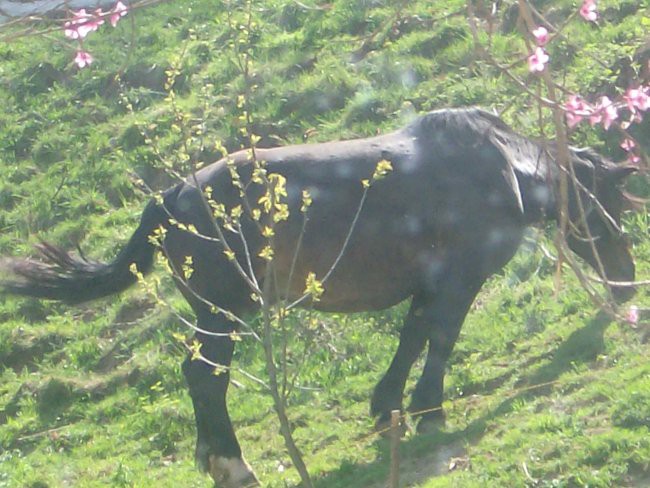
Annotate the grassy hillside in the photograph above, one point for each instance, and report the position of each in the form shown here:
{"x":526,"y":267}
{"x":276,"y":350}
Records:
{"x":543,"y":390}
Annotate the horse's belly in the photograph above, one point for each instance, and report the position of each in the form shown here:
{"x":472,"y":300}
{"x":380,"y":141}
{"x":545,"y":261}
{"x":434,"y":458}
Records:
{"x":359,"y":295}
{"x":367,"y":276}
{"x":364,"y":291}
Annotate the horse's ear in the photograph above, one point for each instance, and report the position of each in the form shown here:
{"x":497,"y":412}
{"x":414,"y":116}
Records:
{"x":617,"y":173}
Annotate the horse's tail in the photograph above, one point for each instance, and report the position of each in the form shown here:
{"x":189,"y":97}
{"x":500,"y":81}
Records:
{"x":58,"y":275}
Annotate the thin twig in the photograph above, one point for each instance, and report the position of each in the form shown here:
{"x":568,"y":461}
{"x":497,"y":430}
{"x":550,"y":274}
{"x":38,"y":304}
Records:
{"x":346,"y":241}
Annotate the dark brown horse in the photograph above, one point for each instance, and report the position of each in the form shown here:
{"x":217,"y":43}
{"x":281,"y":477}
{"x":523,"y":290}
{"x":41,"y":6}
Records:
{"x":463,"y":188}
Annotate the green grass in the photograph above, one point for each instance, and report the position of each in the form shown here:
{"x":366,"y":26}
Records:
{"x":541,"y":391}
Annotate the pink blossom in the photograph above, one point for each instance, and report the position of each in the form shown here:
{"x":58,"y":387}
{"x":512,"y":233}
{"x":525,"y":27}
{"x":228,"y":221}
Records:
{"x":576,"y":109}
{"x":70,"y":31}
{"x":71,"y":28}
{"x":588,"y":10}
{"x":604,"y":112}
{"x":632,"y":315}
{"x":596,"y":117}
{"x":637,"y":98}
{"x":83,"y":24}
{"x":628,"y":144}
{"x":118,"y":12}
{"x":99,"y":17}
{"x":541,"y":35}
{"x":83,"y":59}
{"x":93,"y":24}
{"x":537,"y":61}
{"x":633,"y":157}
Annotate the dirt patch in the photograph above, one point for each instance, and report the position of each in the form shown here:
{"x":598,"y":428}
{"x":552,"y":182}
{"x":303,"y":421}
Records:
{"x":118,"y":339}
{"x":28,"y":354}
{"x":128,"y":316}
{"x":441,"y":461}
{"x":122,"y":349}
{"x":54,"y":395}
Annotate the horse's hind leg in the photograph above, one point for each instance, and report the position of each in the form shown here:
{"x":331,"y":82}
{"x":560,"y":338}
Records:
{"x":212,"y":282}
{"x":217,"y":448}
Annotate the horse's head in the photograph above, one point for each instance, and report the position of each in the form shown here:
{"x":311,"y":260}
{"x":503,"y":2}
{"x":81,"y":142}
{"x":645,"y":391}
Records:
{"x":604,"y":246}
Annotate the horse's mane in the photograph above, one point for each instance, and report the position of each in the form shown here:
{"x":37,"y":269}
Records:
{"x":526,"y":155}
{"x":474,"y":126}
{"x":464,"y":129}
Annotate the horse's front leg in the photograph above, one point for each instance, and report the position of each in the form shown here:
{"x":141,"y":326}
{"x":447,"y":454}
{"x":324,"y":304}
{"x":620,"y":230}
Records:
{"x":445,"y":317}
{"x":217,"y":448}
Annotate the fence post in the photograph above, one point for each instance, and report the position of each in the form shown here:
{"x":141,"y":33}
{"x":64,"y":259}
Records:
{"x":395,"y":437}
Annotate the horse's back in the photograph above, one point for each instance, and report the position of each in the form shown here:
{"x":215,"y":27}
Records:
{"x":443,"y":198}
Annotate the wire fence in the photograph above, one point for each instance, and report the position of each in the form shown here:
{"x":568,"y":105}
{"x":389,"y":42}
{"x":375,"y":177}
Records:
{"x":394,"y":431}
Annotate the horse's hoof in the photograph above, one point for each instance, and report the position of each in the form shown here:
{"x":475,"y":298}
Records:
{"x":232,"y":473}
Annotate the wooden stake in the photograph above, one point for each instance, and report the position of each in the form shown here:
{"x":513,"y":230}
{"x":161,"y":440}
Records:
{"x":395,"y":437}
